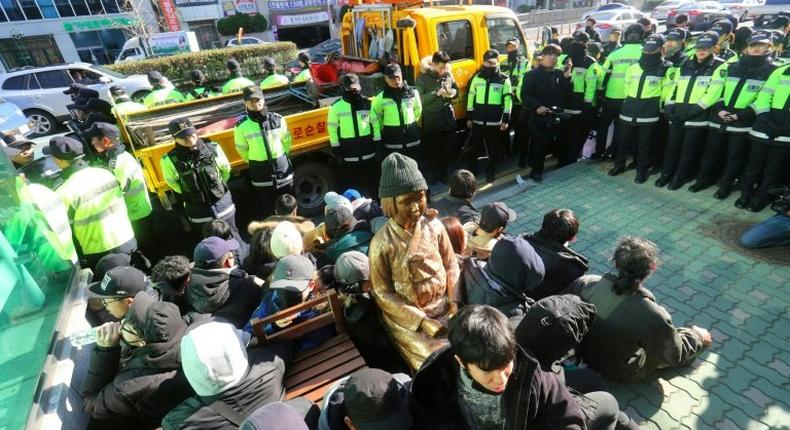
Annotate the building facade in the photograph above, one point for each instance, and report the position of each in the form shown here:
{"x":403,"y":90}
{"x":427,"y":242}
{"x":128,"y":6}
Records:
{"x":43,"y":32}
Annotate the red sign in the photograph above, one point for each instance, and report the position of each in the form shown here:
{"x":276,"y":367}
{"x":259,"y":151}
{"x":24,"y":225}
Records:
{"x":170,"y":15}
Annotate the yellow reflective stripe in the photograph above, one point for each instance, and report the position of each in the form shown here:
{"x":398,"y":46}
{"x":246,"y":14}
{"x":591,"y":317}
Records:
{"x":82,"y":199}
{"x":115,"y":207}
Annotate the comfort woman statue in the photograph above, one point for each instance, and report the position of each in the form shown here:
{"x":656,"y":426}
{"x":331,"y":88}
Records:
{"x":412,"y":265}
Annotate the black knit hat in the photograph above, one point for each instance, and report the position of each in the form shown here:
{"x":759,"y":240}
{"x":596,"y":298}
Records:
{"x":400,"y":175}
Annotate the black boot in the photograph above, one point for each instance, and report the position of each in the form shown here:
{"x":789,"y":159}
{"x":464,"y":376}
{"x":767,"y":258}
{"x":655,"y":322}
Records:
{"x":723,"y":192}
{"x":663,"y":180}
{"x":676,"y":184}
{"x":742,"y":202}
{"x":616,"y":170}
{"x":536,"y":176}
{"x":758,"y":204}
{"x":699,"y":186}
{"x":640,"y":178}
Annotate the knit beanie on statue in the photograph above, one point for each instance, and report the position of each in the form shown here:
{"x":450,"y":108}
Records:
{"x":400,"y":175}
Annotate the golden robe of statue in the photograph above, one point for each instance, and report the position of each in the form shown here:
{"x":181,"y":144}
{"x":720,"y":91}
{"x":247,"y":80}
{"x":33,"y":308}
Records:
{"x":411,"y":275}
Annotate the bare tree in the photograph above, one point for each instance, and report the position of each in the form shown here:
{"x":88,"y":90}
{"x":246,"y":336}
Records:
{"x":143,"y":20}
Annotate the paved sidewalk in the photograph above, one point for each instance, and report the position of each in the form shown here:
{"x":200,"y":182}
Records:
{"x":742,"y":296}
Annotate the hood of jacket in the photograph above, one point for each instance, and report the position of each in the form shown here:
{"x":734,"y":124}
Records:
{"x":162,"y":330}
{"x":479,"y":288}
{"x":515,"y":264}
{"x":208,"y":290}
{"x":554,"y":326}
{"x":425,"y":66}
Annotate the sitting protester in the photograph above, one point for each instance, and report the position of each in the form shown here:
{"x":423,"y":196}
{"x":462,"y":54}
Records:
{"x":292,"y":283}
{"x":171,"y":276}
{"x":364,"y":208}
{"x":368,"y":399}
{"x":345,"y":234}
{"x":458,"y":237}
{"x":633,"y":335}
{"x":286,"y":240}
{"x":288,"y":415}
{"x":563,"y":265}
{"x":483,"y":379}
{"x":134,"y":377}
{"x":217,"y":287}
{"x":223,"y":230}
{"x":230,"y":382}
{"x":261,"y":261}
{"x":506,"y":281}
{"x":458,"y":202}
{"x":494,"y":218}
{"x":96,"y":312}
{"x":285,"y":209}
{"x":118,"y":289}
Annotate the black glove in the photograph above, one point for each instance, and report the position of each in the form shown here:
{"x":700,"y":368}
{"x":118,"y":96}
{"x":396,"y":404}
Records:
{"x":745,"y":115}
{"x":338,"y":155}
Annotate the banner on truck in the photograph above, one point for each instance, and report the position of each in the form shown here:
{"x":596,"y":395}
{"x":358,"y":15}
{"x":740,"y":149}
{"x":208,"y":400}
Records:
{"x":168,"y":44}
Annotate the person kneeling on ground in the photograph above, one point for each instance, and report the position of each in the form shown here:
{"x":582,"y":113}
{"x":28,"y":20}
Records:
{"x":494,"y":218}
{"x":345,"y":234}
{"x":171,"y":276}
{"x":774,"y":231}
{"x":483,"y":379}
{"x":462,"y":188}
{"x":634,"y":336}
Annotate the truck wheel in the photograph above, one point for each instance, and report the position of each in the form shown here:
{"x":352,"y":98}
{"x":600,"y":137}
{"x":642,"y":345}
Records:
{"x":41,"y":123}
{"x":311,"y":181}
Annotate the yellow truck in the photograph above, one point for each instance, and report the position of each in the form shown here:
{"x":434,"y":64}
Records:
{"x":371,"y":34}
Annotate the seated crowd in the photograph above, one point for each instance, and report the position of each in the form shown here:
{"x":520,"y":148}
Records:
{"x":462,"y":322}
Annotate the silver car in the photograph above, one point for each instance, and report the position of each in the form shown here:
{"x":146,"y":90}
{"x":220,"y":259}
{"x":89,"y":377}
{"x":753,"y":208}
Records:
{"x":740,"y":8}
{"x":661,"y":11}
{"x":39,"y":91}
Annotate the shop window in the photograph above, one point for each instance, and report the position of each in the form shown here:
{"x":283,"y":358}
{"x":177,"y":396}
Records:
{"x":95,"y":7}
{"x":500,"y":30}
{"x":16,"y":83}
{"x":455,"y":38}
{"x":30,"y":9}
{"x":64,"y":8}
{"x":110,"y":6}
{"x":12,"y":10}
{"x":35,"y":51}
{"x":53,"y":79}
{"x":80,"y":7}
{"x":48,"y":8}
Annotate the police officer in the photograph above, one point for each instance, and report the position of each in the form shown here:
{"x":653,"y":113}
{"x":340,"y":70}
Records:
{"x":723,"y":28}
{"x":354,"y":135}
{"x":612,"y":44}
{"x":199,"y":88}
{"x":123,"y":104}
{"x":589,"y":28}
{"x":584,"y":85}
{"x":489,"y":104}
{"x":544,"y":88}
{"x":198,"y":171}
{"x":675,"y":53}
{"x":515,"y":66}
{"x":732,"y":117}
{"x":237,"y":81}
{"x":264,"y":141}
{"x":111,"y":153}
{"x":91,"y":111}
{"x":699,"y":87}
{"x":646,"y":85}
{"x":160,"y":95}
{"x":304,"y":75}
{"x":270,"y":76}
{"x":398,"y":108}
{"x":770,"y":149}
{"x":95,"y":203}
{"x":615,"y":67}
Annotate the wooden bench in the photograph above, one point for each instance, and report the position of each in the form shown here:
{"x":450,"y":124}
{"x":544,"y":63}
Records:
{"x":313,"y":371}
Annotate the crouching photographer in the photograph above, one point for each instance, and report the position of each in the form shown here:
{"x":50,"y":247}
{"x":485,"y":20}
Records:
{"x":774,"y":231}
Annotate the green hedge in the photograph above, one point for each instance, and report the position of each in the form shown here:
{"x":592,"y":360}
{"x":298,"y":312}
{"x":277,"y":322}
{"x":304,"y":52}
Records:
{"x":212,"y":62}
{"x":229,"y":26}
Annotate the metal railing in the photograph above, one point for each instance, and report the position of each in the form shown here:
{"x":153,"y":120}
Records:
{"x":541,"y":17}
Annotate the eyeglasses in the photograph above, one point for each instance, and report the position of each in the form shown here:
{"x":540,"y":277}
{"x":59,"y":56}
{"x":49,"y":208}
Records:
{"x":106,"y":302}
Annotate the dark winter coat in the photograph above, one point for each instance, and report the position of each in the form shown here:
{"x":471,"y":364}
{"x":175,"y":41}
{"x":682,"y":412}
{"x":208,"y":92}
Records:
{"x":632,"y":334}
{"x":457,"y":207}
{"x":563,"y":266}
{"x":228,"y":294}
{"x":437,"y":112}
{"x":478,"y":287}
{"x":263,"y":384}
{"x":543,"y":87}
{"x":534,"y":399}
{"x":136,"y":387}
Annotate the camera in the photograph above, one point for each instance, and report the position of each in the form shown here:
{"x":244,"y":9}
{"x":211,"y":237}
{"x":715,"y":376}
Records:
{"x":782,"y":204}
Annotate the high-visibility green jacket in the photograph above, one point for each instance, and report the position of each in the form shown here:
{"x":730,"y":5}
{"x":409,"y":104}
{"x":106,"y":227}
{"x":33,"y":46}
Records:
{"x":353,"y":133}
{"x":490,"y":100}
{"x":616,"y":66}
{"x":126,"y":107}
{"x":236,"y":84}
{"x":398,"y":112}
{"x":600,"y":75}
{"x":645,"y":92}
{"x":304,"y":75}
{"x":97,"y":210}
{"x":274,"y":80}
{"x":515,"y":72}
{"x":161,"y":97}
{"x":699,"y":87}
{"x":584,"y":84}
{"x":772,"y":107}
{"x":199,"y":93}
{"x":265,"y":146}
{"x":129,"y":174}
{"x":744,"y":81}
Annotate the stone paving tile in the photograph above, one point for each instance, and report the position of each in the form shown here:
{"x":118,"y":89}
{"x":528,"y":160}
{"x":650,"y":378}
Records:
{"x":704,"y":279}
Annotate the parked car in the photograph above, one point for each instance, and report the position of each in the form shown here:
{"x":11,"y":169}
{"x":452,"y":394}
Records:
{"x":740,"y":8}
{"x":39,"y":91}
{"x":12,"y":120}
{"x":245,"y":40}
{"x":661,"y":11}
{"x":605,"y":7}
{"x":622,"y":17}
{"x":764,"y":13}
{"x":703,"y":14}
{"x":318,"y":54}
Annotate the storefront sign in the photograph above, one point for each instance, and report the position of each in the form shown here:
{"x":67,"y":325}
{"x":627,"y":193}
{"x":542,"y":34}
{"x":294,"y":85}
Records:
{"x":302,"y":19}
{"x":187,"y":3}
{"x":97,"y":24}
{"x":245,"y":6}
{"x":170,"y":15}
{"x":295,"y":4}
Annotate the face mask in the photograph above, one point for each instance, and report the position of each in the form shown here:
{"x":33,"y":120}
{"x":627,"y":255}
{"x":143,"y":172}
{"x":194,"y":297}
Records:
{"x":671,"y":52}
{"x":512,"y":55}
{"x":257,"y":116}
{"x":577,"y":51}
{"x":489,"y":71}
{"x":650,"y":61}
